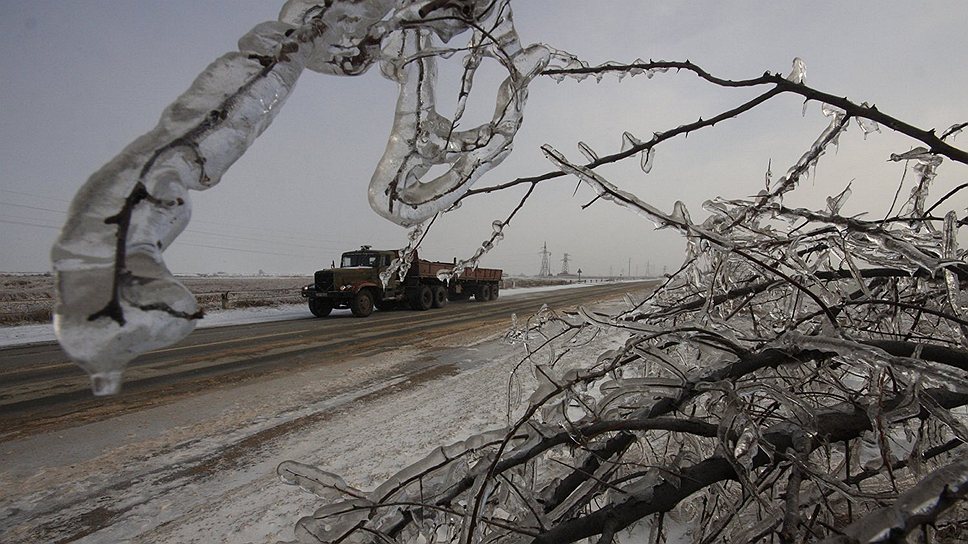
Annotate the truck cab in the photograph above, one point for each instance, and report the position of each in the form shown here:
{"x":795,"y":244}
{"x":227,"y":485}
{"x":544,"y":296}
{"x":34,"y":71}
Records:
{"x":355,"y":284}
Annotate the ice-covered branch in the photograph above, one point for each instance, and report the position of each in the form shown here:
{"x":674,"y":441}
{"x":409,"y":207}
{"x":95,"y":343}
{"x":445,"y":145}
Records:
{"x":921,"y":505}
{"x":117,"y":298}
{"x":422,"y":138}
{"x":785,"y":84}
{"x":781,"y":85}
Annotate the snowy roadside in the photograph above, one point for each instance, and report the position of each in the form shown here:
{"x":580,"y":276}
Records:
{"x":202,"y":470}
{"x":31,"y":334}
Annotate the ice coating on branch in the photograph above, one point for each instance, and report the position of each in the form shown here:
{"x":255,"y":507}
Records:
{"x":921,"y":154}
{"x":347,"y":41}
{"x":629,"y":141}
{"x":831,"y":111}
{"x":867,"y":126}
{"x":679,"y":219}
{"x":926,"y":166}
{"x":562,"y":60}
{"x":810,"y":159}
{"x":497,"y":234}
{"x":949,"y":252}
{"x":401,"y":264}
{"x":324,"y":485}
{"x":646,"y":159}
{"x":834,"y":203}
{"x":588,"y":152}
{"x":116,"y":298}
{"x":422,"y":138}
{"x":954,"y":130}
{"x":799,"y":72}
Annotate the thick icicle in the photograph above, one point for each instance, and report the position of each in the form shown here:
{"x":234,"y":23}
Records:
{"x":422,"y":138}
{"x":116,"y":297}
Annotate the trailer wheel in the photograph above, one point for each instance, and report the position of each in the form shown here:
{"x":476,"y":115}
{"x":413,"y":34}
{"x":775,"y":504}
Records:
{"x":362,"y":305}
{"x":483,"y":293}
{"x":495,"y":291}
{"x":422,"y":298}
{"x":320,"y":307}
{"x":440,"y":296}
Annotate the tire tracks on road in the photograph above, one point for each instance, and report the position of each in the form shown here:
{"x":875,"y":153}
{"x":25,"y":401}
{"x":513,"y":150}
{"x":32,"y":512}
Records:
{"x":34,"y":399}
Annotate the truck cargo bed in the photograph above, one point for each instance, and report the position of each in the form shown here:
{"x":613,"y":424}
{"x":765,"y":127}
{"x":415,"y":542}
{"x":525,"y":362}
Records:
{"x":424,"y":268}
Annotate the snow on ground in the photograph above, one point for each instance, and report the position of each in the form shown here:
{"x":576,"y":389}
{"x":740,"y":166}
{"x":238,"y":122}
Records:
{"x":31,"y":334}
{"x":195,"y":471}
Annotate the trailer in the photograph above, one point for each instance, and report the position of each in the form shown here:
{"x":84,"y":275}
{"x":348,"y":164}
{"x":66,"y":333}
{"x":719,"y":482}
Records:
{"x":357,"y":284}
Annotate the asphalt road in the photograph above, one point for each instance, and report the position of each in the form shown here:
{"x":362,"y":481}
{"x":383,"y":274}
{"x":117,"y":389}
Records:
{"x":41,"y":390}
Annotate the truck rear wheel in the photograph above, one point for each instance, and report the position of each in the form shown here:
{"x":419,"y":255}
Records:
{"x":320,"y":307}
{"x":422,"y":298}
{"x":483,"y":293}
{"x":495,"y":291}
{"x":362,"y":305}
{"x":440,"y":296}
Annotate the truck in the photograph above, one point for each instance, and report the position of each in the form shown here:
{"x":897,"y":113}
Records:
{"x":356,"y":284}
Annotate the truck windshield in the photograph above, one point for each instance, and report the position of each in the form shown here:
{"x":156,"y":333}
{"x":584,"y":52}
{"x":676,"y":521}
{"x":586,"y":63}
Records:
{"x":359,"y":259}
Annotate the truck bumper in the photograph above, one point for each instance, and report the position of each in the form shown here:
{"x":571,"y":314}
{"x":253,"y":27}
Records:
{"x":338,"y":297}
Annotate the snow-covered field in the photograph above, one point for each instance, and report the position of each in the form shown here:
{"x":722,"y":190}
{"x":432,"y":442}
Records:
{"x":202,"y":470}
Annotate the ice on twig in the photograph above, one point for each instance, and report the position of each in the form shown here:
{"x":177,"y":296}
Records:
{"x":629,"y":141}
{"x":799,"y":72}
{"x":646,"y":159}
{"x":588,"y":152}
{"x":866,"y":125}
{"x":834,"y":203}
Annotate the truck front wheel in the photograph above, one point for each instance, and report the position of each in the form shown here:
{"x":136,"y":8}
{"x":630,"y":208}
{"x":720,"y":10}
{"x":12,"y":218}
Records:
{"x":362,"y":305}
{"x":320,"y":307}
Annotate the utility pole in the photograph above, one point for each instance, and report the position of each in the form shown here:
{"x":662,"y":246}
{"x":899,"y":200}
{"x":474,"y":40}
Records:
{"x":564,"y":265}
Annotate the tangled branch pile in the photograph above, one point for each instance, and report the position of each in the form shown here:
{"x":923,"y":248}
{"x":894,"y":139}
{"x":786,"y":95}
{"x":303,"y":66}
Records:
{"x":800,"y":378}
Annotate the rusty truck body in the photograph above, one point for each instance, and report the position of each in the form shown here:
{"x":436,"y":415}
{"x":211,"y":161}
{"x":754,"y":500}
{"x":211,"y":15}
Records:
{"x":357,"y":284}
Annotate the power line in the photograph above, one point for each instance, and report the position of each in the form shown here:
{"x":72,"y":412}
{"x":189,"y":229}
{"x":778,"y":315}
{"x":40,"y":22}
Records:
{"x":200,"y":232}
{"x":288,"y":233}
{"x":181,"y":243}
{"x":34,"y":195}
{"x":31,"y":207}
{"x":28,"y":224}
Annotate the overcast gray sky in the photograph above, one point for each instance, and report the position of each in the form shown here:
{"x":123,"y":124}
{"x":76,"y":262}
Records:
{"x":82,"y":79}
